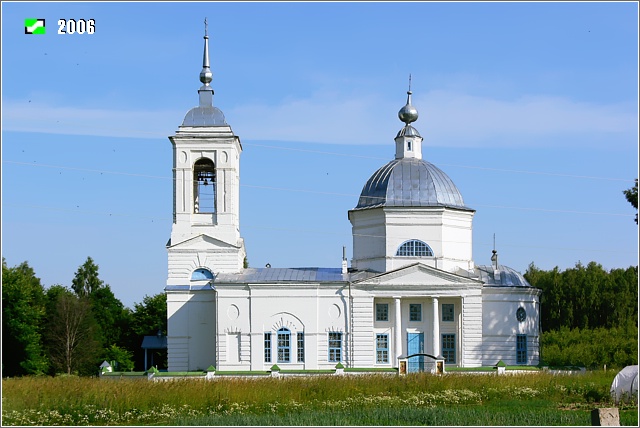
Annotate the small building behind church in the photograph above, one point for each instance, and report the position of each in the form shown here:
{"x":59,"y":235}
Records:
{"x":412,"y":286}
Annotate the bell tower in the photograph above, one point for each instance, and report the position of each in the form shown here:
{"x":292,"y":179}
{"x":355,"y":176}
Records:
{"x":205,"y":235}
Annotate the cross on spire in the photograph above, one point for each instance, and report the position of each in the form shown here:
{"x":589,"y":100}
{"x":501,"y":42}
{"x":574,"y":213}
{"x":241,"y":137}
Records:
{"x":205,"y":27}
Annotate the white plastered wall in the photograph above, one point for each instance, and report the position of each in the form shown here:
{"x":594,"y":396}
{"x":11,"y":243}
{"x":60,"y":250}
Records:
{"x":500,"y":325}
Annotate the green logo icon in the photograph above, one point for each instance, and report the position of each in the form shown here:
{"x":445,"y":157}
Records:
{"x":34,"y":26}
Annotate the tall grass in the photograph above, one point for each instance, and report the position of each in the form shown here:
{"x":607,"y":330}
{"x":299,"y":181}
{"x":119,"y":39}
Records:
{"x":417,"y":399}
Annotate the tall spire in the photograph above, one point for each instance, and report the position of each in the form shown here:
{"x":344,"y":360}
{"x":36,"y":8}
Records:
{"x":206,"y":76}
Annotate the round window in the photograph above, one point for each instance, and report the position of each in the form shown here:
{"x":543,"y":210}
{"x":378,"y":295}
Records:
{"x":521,"y":314}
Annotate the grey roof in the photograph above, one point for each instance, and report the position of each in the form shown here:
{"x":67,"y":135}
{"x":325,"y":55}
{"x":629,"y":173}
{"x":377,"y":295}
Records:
{"x":277,"y":275}
{"x":508,"y":277}
{"x":408,"y":131}
{"x":410,"y":182}
{"x":154,"y":342}
{"x":204,"y":116}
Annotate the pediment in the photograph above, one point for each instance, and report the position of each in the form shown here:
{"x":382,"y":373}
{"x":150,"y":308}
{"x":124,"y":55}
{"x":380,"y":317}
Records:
{"x":418,"y":275}
{"x":201,"y":242}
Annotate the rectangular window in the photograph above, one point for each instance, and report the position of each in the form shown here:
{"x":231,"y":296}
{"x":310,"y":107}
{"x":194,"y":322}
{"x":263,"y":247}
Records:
{"x":447,"y":312}
{"x":335,"y":347}
{"x":301,"y":347}
{"x":415,"y":312}
{"x":267,"y":347}
{"x":382,"y":348}
{"x":449,"y":348}
{"x":382,"y":312}
{"x":521,"y":349}
{"x":284,"y":346}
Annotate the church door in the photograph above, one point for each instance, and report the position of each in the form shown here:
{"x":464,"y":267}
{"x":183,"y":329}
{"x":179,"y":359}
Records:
{"x":415,"y":345}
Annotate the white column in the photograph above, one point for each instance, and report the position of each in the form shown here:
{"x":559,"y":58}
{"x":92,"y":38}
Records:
{"x":398,"y":328}
{"x":460,"y":341}
{"x":436,"y":328}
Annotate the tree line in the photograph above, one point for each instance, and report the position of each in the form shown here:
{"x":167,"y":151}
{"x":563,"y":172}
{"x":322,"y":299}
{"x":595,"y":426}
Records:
{"x":73,"y":330}
{"x":589,"y":316}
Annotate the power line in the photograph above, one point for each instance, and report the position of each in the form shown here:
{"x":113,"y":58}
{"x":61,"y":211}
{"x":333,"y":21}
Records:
{"x":350,"y":195}
{"x":297,"y":231}
{"x":555,"y":174}
{"x":296,"y":149}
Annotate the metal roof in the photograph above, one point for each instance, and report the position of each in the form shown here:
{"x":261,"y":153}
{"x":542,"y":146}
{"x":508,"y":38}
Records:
{"x":508,"y":277}
{"x":408,"y":131}
{"x":410,"y":182}
{"x":277,"y":275}
{"x":154,"y":342}
{"x":204,"y":116}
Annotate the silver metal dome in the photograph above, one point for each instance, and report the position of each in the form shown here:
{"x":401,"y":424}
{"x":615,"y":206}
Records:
{"x":408,"y":113}
{"x":408,"y":131}
{"x":508,"y":277}
{"x":204,"y":116}
{"x":410,"y":182}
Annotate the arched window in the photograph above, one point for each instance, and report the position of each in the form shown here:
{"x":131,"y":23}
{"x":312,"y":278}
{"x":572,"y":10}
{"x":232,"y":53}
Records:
{"x":201,"y":274}
{"x":414,"y":248}
{"x":284,"y":345}
{"x":204,"y":186}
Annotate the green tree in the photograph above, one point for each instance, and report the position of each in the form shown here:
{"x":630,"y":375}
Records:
{"x":71,"y":334}
{"x":119,"y":358}
{"x":110,"y":315}
{"x":149,"y":317}
{"x":586,"y":297}
{"x":23,"y":312}
{"x":632,"y":197}
{"x":86,"y":279}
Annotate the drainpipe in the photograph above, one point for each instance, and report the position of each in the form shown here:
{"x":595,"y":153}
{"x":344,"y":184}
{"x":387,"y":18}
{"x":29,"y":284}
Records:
{"x":217,"y":365}
{"x":345,"y":270}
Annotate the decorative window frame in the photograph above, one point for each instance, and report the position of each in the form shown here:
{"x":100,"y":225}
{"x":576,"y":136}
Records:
{"x":283,"y":344}
{"x":414,"y":248}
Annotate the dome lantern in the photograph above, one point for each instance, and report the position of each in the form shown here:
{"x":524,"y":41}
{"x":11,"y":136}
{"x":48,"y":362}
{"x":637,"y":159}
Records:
{"x":408,"y":141}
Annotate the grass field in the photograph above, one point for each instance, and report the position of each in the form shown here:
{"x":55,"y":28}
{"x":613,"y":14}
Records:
{"x":539,"y":399}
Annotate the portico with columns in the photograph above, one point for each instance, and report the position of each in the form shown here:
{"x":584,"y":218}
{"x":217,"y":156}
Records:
{"x":407,"y":311}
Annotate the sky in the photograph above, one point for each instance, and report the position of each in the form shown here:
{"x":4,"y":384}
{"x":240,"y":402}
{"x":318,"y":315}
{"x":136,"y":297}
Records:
{"x":530,"y":108}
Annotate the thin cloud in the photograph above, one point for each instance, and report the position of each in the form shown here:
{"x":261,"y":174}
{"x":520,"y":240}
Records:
{"x":528,"y":120}
{"x":25,"y":116}
{"x":446,"y":119}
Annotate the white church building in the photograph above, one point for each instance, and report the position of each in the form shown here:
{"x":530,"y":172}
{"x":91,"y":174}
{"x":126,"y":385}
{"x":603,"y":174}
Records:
{"x":412,"y":287}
